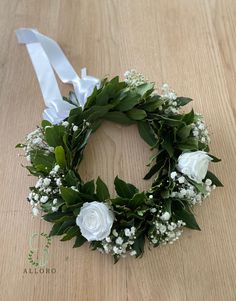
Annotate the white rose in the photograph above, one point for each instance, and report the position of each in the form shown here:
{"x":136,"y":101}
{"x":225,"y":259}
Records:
{"x":194,"y":165}
{"x":95,"y":221}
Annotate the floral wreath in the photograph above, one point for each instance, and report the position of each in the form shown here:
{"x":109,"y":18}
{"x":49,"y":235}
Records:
{"x":85,"y":211}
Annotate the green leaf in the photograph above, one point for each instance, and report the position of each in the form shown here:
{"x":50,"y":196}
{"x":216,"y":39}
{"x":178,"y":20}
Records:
{"x":80,"y":240}
{"x":137,"y":200}
{"x":155,"y":168}
{"x":147,"y":133}
{"x":190,"y":144}
{"x":118,"y":117}
{"x":215,"y":159}
{"x":120,"y":201}
{"x":96,"y":112}
{"x":65,"y":225}
{"x":123,"y":189}
{"x":138,"y":245}
{"x":187,"y":217}
{"x":89,"y":187}
{"x":174,"y":121}
{"x":76,"y":116}
{"x":57,"y":217}
{"x":70,"y":196}
{"x":144,"y":88}
{"x":54,"y":135}
{"x":154,"y":103}
{"x":165,"y":194}
{"x":184,"y":132}
{"x":167,"y":205}
{"x":33,"y":171}
{"x":19,"y":145}
{"x":128,"y":102}
{"x":71,"y":178}
{"x":102,"y":98}
{"x":55,"y":229}
{"x":136,"y":114}
{"x":200,"y":187}
{"x":189,"y":117}
{"x":42,"y":161}
{"x":91,"y":99}
{"x":167,"y":145}
{"x":84,"y":139}
{"x":45,"y":123}
{"x":182,"y":101}
{"x":214,"y":179}
{"x":60,"y":156}
{"x":70,"y":233}
{"x":102,"y":190}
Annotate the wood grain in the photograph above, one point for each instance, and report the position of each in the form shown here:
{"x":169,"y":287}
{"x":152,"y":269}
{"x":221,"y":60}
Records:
{"x":188,"y":43}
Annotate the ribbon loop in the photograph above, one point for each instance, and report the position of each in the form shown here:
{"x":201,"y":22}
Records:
{"x":45,"y":53}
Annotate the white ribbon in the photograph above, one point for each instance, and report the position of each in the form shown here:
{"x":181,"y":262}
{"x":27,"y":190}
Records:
{"x":45,"y":53}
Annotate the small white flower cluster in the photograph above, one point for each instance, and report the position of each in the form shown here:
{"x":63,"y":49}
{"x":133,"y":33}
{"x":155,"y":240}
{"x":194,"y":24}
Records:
{"x":163,"y":231}
{"x":185,"y":190}
{"x":45,"y":189}
{"x":75,"y":127}
{"x":134,"y":78}
{"x":34,"y":141}
{"x":200,"y":130}
{"x":169,"y":96}
{"x":66,"y":124}
{"x":121,"y":243}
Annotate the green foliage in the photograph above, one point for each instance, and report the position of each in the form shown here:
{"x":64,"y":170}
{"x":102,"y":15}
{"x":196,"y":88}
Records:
{"x":102,"y":190}
{"x":129,"y":102}
{"x":79,"y":241}
{"x":54,"y":135}
{"x":139,"y":245}
{"x":147,"y":133}
{"x":88,"y":188}
{"x":182,"y":101}
{"x":136,"y":114}
{"x":45,"y":123}
{"x":118,"y":117}
{"x":214,"y":179}
{"x":41,"y":161}
{"x":70,"y":196}
{"x":57,"y":217}
{"x":167,"y":134}
{"x":153,"y":103}
{"x":145,"y":89}
{"x":124,"y":189}
{"x":70,"y":233}
{"x":187,"y":216}
{"x":60,"y":156}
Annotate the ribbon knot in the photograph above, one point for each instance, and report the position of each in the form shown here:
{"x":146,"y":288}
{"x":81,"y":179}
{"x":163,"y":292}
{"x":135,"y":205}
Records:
{"x":47,"y":55}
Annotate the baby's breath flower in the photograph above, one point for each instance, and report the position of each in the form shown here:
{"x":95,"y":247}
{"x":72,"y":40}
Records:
{"x":181,"y":180}
{"x":165,"y":216}
{"x":173,"y":174}
{"x":75,"y":128}
{"x":35,"y":211}
{"x":65,"y":123}
{"x":133,"y":78}
{"x":44,"y":199}
{"x":133,"y":253}
{"x":119,"y":240}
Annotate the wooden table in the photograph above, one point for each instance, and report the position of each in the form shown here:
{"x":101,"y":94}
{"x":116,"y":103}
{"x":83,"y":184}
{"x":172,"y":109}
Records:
{"x":188,"y":43}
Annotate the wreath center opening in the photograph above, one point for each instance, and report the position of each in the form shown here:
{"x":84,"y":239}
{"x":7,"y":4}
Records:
{"x":116,"y":150}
